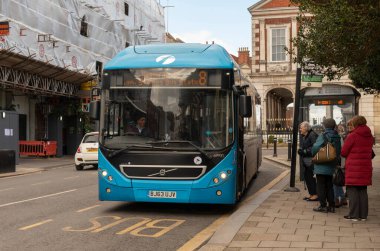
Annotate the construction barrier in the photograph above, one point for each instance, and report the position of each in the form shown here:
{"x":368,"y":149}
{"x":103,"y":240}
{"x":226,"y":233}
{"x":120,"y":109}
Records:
{"x":38,"y":148}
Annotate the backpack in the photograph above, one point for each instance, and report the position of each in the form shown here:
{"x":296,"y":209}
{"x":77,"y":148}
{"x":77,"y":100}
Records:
{"x":326,"y":154}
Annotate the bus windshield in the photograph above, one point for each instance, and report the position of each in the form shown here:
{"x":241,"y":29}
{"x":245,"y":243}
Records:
{"x":173,"y":116}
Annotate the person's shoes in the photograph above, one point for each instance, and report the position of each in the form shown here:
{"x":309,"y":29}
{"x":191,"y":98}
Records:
{"x":331,"y":209}
{"x":306,"y":198}
{"x":320,"y":209}
{"x":340,"y":202}
{"x":362,"y":219}
{"x":344,"y":202}
{"x":347,"y":217}
{"x":310,"y":199}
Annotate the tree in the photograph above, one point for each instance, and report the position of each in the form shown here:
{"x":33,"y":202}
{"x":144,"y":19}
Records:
{"x":340,"y":37}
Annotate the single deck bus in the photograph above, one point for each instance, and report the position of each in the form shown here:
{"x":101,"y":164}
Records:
{"x":178,"y":123}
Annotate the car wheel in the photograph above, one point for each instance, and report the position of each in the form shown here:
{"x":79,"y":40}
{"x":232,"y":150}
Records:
{"x":79,"y":167}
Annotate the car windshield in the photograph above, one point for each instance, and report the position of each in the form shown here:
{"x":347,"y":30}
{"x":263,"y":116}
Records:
{"x":90,"y":138}
{"x":176,"y":116}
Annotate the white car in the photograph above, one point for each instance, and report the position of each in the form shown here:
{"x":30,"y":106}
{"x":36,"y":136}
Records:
{"x":87,"y":152}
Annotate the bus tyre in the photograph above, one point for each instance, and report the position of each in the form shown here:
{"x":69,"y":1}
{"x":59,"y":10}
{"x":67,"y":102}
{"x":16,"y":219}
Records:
{"x":79,"y":167}
{"x":240,"y":184}
{"x":257,"y":165}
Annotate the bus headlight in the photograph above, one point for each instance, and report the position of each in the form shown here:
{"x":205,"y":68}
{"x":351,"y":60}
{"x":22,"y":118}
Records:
{"x":223,"y":175}
{"x":104,"y":173}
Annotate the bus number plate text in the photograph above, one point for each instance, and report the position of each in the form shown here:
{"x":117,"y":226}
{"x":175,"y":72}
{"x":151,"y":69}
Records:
{"x":162,"y":194}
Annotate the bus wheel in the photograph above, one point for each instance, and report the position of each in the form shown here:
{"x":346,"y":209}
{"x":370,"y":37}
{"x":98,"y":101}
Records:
{"x":257,"y":165}
{"x":244,"y":175}
{"x":241,"y":182}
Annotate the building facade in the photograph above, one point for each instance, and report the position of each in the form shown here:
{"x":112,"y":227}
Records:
{"x":274,"y":25}
{"x":52,"y":53}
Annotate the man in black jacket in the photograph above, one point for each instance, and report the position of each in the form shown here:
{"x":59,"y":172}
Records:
{"x":309,"y":138}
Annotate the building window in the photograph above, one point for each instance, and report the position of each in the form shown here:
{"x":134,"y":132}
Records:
{"x":83,"y":27}
{"x":278,"y":45}
{"x":99,"y":68}
{"x":126,"y":9}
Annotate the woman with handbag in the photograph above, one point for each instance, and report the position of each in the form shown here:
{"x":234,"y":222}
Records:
{"x":325,"y":171}
{"x":357,"y":150}
{"x":308,"y":139}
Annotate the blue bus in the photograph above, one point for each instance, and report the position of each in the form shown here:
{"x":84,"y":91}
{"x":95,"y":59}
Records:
{"x":178,"y":123}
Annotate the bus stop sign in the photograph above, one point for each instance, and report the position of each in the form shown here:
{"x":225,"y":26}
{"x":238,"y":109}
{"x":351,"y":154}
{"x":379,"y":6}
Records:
{"x":312,"y":78}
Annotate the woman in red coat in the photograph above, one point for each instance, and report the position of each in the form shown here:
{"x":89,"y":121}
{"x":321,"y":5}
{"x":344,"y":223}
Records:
{"x":357,"y":149}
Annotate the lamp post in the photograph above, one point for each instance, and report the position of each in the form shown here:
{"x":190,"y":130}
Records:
{"x":293,"y":162}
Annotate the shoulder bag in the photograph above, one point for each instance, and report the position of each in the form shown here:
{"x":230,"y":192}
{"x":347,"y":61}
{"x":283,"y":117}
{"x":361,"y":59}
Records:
{"x":338,"y":176}
{"x":326,"y":154}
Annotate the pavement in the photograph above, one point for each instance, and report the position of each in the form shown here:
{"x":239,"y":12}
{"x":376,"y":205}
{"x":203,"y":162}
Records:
{"x":273,"y":219}
{"x":277,"y":220}
{"x":29,"y":165}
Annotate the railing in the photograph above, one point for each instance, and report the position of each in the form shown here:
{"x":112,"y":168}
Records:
{"x":37,"y":148}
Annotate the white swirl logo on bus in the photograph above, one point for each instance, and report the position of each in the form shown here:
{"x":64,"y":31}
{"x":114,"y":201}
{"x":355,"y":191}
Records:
{"x":166,"y":59}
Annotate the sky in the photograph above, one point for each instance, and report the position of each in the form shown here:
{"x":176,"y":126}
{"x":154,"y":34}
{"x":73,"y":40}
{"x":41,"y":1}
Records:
{"x":226,"y":22}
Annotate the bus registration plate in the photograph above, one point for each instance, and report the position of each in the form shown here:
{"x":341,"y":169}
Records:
{"x":162,"y":194}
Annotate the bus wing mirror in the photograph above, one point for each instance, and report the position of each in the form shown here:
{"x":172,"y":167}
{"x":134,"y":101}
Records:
{"x":95,"y":109}
{"x":245,"y":106}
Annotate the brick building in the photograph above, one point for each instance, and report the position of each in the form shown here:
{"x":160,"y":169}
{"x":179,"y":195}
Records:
{"x":274,"y":25}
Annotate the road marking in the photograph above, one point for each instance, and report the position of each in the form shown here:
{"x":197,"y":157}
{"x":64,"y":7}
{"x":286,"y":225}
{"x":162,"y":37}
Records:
{"x":87,"y":208}
{"x":266,"y":187}
{"x":7,"y":189}
{"x":41,"y":183}
{"x":35,"y":225}
{"x":204,"y":235}
{"x":72,"y":177}
{"x":41,"y":197}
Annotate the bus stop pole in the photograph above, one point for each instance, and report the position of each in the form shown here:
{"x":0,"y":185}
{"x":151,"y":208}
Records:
{"x":293,"y":162}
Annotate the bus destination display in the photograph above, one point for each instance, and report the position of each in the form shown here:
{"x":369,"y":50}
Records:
{"x":329,"y":102}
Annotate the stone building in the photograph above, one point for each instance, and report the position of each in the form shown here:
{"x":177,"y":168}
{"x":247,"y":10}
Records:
{"x":274,"y":25}
{"x":53,"y":52}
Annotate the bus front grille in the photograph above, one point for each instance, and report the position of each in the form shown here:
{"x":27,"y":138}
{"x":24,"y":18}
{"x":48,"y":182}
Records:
{"x":162,"y":171}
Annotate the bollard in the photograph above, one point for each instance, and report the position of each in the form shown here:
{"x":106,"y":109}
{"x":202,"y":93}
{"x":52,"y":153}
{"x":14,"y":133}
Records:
{"x":274,"y":147}
{"x":289,"y":149}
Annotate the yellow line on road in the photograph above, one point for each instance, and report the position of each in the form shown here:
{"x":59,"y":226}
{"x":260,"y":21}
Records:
{"x":267,"y":186}
{"x":87,"y":208}
{"x":35,"y":225}
{"x":204,"y":235}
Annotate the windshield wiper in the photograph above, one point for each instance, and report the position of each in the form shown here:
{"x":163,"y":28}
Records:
{"x":126,"y":149}
{"x":182,"y":141}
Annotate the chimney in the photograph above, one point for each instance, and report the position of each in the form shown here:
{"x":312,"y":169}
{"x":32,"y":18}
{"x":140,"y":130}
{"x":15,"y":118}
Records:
{"x":243,"y":56}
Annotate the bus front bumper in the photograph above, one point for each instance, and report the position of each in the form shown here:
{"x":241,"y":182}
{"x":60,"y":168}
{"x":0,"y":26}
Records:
{"x":168,"y":192}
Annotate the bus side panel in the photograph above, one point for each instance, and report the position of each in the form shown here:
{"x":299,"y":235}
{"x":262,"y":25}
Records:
{"x":252,"y":148}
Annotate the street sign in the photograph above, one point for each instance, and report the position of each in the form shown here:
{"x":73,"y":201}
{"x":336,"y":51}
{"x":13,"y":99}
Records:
{"x":312,"y":78}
